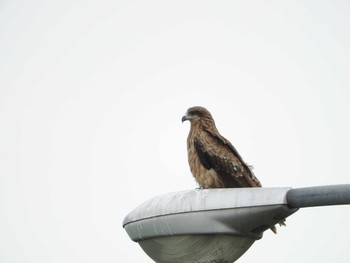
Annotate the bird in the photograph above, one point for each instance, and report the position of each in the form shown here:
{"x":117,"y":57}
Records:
{"x":214,"y":162}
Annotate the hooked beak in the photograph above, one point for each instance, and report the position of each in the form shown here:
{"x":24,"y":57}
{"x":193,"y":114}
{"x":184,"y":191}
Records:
{"x":184,"y":118}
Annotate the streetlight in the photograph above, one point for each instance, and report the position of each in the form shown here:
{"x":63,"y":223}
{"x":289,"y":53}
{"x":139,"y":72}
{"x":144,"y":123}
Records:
{"x":218,"y":225}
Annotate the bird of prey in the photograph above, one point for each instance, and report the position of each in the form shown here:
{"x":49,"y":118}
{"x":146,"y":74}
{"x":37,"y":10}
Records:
{"x":213,"y":160}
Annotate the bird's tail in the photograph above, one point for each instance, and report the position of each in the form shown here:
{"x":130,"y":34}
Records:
{"x":281,"y":223}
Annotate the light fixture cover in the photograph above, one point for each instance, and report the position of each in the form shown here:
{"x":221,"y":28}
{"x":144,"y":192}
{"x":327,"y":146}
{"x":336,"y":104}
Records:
{"x":205,"y":225}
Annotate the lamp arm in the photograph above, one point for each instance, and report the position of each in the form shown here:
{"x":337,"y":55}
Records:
{"x":319,"y":196}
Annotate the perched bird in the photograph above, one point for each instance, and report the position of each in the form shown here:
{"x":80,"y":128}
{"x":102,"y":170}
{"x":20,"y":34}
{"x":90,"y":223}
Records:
{"x":213,"y":160}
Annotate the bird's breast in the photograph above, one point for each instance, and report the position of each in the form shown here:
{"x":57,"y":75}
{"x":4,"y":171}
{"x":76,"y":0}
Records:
{"x":206,"y":178}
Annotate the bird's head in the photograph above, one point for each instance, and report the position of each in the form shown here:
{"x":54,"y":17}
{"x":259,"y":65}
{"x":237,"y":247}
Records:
{"x":198,"y":114}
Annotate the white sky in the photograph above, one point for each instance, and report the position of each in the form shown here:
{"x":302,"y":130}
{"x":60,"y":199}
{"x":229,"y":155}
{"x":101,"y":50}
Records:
{"x":91,"y":98}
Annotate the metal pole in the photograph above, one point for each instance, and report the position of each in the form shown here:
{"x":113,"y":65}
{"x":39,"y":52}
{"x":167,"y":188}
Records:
{"x":319,"y":196}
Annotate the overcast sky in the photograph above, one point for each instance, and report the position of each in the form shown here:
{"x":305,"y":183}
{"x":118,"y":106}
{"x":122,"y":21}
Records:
{"x":91,"y":99}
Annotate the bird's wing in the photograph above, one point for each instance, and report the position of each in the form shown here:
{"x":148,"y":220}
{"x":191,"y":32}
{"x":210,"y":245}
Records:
{"x":214,"y":151}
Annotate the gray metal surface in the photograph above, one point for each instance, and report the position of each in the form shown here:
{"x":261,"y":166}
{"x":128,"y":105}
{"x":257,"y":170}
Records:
{"x":240,"y":211}
{"x":319,"y":196}
{"x":243,"y":221}
{"x":205,"y":225}
{"x":207,"y":199}
{"x":218,"y":225}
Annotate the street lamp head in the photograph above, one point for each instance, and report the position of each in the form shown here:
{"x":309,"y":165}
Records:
{"x":205,"y":225}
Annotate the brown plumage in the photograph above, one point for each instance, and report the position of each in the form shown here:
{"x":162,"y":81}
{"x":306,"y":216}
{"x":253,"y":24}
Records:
{"x":213,"y":160}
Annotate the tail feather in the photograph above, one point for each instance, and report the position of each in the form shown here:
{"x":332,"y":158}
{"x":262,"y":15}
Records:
{"x":273,"y":229}
{"x":281,"y":223}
